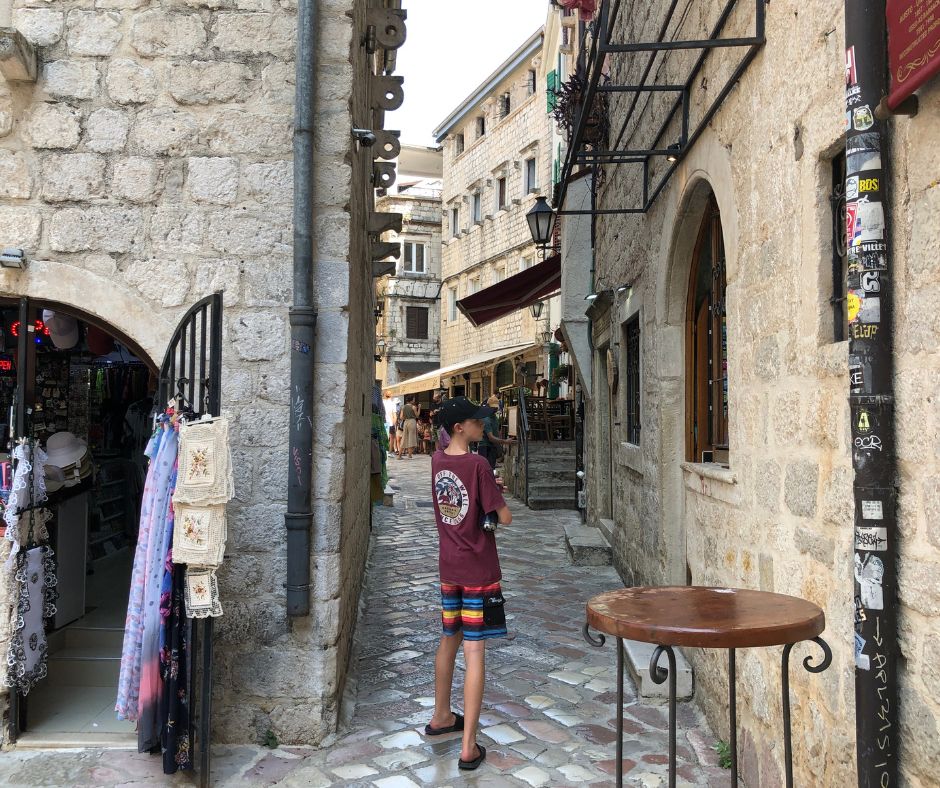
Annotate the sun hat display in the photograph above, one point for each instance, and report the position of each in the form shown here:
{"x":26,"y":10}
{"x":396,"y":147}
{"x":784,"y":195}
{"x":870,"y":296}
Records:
{"x":63,"y":449}
{"x":55,"y":478}
{"x":63,"y":329}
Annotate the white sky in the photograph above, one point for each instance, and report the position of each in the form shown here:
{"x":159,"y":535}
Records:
{"x":452,"y":46}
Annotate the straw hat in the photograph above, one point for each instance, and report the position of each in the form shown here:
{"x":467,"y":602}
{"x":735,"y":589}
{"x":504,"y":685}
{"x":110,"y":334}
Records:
{"x":63,"y":449}
{"x":63,"y":330}
{"x":493,"y":401}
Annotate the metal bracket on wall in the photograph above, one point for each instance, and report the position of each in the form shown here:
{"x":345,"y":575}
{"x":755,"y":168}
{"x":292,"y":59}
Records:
{"x":383,"y":174}
{"x":385,"y":29}
{"x":384,"y":222}
{"x":387,"y":93}
{"x":387,"y":144}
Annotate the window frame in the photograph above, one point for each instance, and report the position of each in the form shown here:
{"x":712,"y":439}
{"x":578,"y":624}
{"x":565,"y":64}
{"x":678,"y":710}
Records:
{"x":632,"y":340}
{"x":480,"y":126}
{"x":476,"y":208}
{"x":454,"y":221}
{"x":451,"y":304}
{"x":532,"y":82}
{"x":415,"y":310}
{"x":414,"y":244}
{"x":460,"y":144}
{"x":531,"y":179}
{"x":502,"y":193}
{"x":708,"y":396}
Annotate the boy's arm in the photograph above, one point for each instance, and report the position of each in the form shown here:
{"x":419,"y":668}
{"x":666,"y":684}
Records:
{"x":504,"y":515}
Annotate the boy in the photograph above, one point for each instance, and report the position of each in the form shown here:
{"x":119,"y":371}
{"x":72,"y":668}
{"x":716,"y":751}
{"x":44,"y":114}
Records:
{"x":464,"y":492}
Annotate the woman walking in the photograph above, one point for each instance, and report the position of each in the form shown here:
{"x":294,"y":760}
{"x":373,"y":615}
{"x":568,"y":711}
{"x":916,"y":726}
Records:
{"x":409,"y":437}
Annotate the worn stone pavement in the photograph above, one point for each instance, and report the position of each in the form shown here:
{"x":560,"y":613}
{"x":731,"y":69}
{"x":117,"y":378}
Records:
{"x":548,"y":712}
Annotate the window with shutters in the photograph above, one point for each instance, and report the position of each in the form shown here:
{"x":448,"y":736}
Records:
{"x":553,"y":83}
{"x":707,"y":345}
{"x":505,"y":105}
{"x":500,"y":193}
{"x":414,"y":257}
{"x":530,"y":182}
{"x":416,"y":322}
{"x":532,"y":82}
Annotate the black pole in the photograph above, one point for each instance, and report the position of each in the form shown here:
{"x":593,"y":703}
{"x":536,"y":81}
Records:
{"x":871,"y":372}
{"x":303,"y":320}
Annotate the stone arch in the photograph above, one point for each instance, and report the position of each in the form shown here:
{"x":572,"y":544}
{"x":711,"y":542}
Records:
{"x":706,"y":170}
{"x":97,"y":299}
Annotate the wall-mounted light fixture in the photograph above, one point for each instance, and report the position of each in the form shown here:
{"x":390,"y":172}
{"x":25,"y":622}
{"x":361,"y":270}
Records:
{"x":536,"y":309}
{"x":675,"y":149}
{"x":541,"y":219}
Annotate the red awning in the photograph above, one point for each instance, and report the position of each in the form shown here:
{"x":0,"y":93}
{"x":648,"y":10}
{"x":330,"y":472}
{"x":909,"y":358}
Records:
{"x":517,"y":292}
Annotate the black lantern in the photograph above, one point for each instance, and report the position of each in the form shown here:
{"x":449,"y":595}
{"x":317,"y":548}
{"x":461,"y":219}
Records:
{"x":541,"y":218}
{"x":536,"y":309}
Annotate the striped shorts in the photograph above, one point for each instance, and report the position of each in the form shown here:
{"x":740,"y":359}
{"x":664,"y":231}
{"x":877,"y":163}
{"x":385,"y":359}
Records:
{"x":476,"y":610}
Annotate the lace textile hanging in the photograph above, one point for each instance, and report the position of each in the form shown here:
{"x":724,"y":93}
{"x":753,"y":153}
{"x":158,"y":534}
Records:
{"x":36,"y":593}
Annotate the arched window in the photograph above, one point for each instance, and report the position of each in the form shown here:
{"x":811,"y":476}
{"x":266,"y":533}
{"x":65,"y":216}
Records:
{"x":707,"y":345}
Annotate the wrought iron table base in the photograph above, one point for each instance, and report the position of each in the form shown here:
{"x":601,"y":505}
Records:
{"x":659,"y":675}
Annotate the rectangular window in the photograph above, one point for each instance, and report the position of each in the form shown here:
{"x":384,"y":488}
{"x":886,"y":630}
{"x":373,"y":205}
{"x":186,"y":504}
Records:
{"x":499,"y":274}
{"x":458,"y":144}
{"x":452,"y":305}
{"x":413,"y":255}
{"x":416,"y":322}
{"x":500,"y":193}
{"x":530,"y":182}
{"x":481,"y":126}
{"x":454,"y":221}
{"x":525,"y":263}
{"x":532,"y":82}
{"x":632,"y":340}
{"x":477,"y":208}
{"x":505,"y":105}
{"x":474,"y":285}
{"x":840,"y":259}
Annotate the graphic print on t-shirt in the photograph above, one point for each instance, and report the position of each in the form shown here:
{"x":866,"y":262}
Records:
{"x":452,"y":498}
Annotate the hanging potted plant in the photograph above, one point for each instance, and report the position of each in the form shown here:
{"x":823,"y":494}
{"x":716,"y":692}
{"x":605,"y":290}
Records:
{"x":561,"y":373}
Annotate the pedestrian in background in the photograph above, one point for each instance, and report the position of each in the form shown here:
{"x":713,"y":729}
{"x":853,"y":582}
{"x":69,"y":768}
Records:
{"x":490,"y":443}
{"x":472,"y":612}
{"x":409,"y":422}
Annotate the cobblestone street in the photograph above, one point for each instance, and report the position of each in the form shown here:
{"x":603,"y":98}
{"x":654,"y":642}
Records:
{"x":548,"y":712}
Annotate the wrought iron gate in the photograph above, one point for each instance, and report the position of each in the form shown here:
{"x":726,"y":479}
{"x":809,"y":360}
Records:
{"x":192,"y":373}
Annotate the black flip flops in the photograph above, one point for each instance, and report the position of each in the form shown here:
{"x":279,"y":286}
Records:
{"x":457,"y":726}
{"x":469,"y":766}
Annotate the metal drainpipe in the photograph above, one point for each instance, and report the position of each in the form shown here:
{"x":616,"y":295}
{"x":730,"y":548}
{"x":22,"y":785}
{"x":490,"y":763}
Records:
{"x":303,"y":320}
{"x":871,"y":380}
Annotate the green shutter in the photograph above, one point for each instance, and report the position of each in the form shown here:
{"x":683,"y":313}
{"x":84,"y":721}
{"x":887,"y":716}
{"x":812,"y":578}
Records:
{"x":551,"y":88}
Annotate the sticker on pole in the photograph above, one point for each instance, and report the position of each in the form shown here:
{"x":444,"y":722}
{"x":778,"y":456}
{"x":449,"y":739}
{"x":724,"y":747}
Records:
{"x":871,"y":538}
{"x":872,"y":510}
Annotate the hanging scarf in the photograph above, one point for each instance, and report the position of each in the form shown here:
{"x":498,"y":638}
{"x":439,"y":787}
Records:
{"x":36,"y":594}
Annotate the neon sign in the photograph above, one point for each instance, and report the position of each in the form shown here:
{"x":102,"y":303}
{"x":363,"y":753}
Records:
{"x":40,"y":328}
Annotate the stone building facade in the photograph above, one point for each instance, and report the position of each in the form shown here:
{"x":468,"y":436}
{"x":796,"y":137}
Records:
{"x":409,"y":322}
{"x":773,"y":509}
{"x":497,"y":160}
{"x":150,"y":164}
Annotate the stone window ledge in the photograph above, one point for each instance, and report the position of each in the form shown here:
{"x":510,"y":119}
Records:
{"x":712,"y":480}
{"x":631,"y":456}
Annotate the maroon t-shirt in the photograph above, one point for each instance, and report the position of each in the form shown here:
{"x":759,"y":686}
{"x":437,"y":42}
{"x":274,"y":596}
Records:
{"x":464,"y":491}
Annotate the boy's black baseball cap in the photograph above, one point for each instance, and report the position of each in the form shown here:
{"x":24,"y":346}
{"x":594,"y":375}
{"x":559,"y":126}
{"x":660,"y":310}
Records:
{"x":458,"y":409}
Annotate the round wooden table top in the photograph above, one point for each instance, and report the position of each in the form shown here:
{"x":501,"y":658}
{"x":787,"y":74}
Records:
{"x":705,"y":617}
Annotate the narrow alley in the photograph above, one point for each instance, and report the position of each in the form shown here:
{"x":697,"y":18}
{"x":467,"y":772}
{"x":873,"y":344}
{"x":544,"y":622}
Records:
{"x":548,"y":713}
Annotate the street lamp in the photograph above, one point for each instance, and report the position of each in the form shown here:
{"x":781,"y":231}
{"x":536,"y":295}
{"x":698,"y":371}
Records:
{"x":536,"y":309}
{"x":380,"y":346}
{"x":541,"y":219}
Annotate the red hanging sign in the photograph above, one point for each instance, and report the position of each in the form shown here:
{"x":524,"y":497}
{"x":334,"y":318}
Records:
{"x":913,"y":45}
{"x":586,"y":7}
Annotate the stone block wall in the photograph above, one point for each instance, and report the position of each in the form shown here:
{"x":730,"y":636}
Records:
{"x":150,"y":165}
{"x":780,"y":517}
{"x":501,"y":240}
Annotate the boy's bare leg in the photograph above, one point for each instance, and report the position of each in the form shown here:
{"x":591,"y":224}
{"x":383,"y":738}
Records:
{"x":474,"y":654}
{"x":444,"y":679}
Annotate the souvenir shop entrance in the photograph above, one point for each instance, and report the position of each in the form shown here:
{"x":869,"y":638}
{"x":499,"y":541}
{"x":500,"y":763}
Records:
{"x":77,"y":399}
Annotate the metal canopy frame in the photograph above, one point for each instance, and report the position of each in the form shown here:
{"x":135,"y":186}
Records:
{"x":603,"y":47}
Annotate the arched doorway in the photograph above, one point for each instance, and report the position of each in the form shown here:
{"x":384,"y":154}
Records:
{"x":83,"y":391}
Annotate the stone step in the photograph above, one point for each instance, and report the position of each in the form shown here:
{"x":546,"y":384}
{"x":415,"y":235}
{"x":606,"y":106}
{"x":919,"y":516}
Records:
{"x":83,"y":667}
{"x":542,"y":502}
{"x":638,"y":663}
{"x":110,"y":640}
{"x":551,"y":488}
{"x":586,"y":546}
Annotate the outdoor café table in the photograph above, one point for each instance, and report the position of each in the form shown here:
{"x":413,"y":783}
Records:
{"x":728,"y":618}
